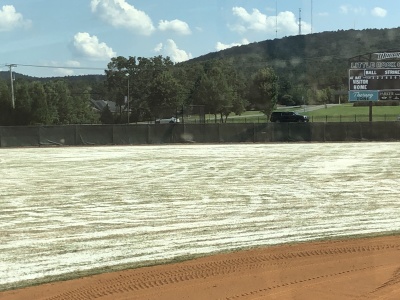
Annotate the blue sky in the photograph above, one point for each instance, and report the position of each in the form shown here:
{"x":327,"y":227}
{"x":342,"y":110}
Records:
{"x":81,"y":36}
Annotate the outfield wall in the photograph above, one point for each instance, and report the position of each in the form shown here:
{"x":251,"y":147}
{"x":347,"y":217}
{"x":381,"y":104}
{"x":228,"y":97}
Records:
{"x":135,"y":134}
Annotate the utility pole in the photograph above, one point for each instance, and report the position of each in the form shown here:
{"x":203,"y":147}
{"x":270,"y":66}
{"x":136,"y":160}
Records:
{"x":12,"y":84}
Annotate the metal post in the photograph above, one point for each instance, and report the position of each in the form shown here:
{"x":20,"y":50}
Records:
{"x":128,"y":98}
{"x":370,"y":111}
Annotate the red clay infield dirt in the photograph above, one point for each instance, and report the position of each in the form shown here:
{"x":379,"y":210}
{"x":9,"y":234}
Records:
{"x":365,"y":268}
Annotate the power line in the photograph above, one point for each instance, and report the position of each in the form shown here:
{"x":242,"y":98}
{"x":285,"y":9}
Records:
{"x":57,"y":67}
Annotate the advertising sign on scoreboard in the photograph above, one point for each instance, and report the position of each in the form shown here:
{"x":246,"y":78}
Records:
{"x":363,"y":96}
{"x":375,"y":76}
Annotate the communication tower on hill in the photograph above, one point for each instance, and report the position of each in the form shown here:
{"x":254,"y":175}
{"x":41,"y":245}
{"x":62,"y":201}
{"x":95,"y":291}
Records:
{"x":299,"y":21}
{"x":276,"y":19}
{"x":311,"y":16}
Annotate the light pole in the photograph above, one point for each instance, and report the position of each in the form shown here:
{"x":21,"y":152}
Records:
{"x":128,"y":97}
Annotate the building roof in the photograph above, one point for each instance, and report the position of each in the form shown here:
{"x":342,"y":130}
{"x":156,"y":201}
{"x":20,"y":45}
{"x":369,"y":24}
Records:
{"x":101,"y":104}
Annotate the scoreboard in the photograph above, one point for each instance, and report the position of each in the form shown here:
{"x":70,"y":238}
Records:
{"x":373,"y":79}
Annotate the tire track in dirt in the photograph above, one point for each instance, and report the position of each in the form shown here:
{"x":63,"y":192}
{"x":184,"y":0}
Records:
{"x":309,"y":279}
{"x":146,"y":279}
{"x":395,"y":279}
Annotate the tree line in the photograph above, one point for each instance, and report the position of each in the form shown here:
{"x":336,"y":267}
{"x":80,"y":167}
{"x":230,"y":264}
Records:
{"x":159,"y":88}
{"x":156,"y":87}
{"x":48,"y":103}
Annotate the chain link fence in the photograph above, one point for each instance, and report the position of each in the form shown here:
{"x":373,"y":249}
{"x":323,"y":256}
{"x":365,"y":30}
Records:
{"x":84,"y":135}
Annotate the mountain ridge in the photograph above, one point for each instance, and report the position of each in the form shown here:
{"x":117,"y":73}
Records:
{"x":320,"y":59}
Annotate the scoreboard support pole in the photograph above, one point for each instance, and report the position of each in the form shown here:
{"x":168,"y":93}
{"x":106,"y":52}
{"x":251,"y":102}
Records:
{"x":370,"y":111}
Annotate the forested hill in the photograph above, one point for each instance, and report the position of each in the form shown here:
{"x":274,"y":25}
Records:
{"x":96,"y":82}
{"x":5,"y":75}
{"x":319,"y":60}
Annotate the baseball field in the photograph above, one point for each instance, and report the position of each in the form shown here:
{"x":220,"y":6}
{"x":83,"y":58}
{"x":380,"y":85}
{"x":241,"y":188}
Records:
{"x":69,"y":213}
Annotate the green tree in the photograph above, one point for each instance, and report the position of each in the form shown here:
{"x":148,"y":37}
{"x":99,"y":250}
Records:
{"x":285,"y":97}
{"x":165,"y":95}
{"x":263,"y":93}
{"x":6,"y":110}
{"x":40,"y":110}
{"x":106,"y":116}
{"x":287,"y":100}
{"x":141,"y":72}
{"x":63,"y":102}
{"x":23,"y":103}
{"x":52,"y":101}
{"x":189,"y":76}
{"x":237,"y":86}
{"x":80,"y":92}
{"x":300,"y":95}
{"x":83,"y":113}
{"x":116,"y":78}
{"x":207,"y":94}
{"x":214,"y":91}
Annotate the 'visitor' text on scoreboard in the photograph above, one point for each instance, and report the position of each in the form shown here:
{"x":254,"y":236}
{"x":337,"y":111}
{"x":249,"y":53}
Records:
{"x":360,"y":84}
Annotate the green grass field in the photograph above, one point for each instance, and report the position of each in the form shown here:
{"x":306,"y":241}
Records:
{"x":339,"y":113}
{"x":349,"y":113}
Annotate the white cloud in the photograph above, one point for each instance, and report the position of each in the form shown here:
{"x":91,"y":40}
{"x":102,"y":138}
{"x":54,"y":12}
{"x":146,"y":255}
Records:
{"x":73,"y":63}
{"x":121,"y":14}
{"x":286,"y":22}
{"x":220,"y":46}
{"x":158,"y":47}
{"x":171,"y":49}
{"x":255,"y":21}
{"x":344,"y":9}
{"x":177,"y":26}
{"x":347,"y":9}
{"x":90,"y":47}
{"x":11,"y":19}
{"x":379,"y":12}
{"x":64,"y":72}
{"x":61,"y":69}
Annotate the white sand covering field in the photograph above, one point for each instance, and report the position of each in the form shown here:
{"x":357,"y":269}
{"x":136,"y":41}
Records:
{"x":75,"y":209}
